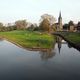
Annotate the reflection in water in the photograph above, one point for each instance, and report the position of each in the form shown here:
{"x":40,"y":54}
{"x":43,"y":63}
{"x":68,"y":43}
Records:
{"x":49,"y":53}
{"x":59,"y":42}
{"x":19,"y":64}
{"x":69,"y":46}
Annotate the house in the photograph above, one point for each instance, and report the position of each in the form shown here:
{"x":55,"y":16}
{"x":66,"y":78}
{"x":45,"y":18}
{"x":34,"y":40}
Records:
{"x":78,"y":26}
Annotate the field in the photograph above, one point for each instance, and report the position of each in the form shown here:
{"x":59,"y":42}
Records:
{"x":29,"y":39}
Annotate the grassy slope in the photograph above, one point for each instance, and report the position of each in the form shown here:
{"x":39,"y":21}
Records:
{"x":73,"y":37}
{"x":29,"y":39}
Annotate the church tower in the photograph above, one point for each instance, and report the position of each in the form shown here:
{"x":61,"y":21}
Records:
{"x":60,"y":22}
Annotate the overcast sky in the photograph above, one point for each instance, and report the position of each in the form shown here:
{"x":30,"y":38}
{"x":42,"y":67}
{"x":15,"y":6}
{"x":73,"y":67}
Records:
{"x":12,"y":10}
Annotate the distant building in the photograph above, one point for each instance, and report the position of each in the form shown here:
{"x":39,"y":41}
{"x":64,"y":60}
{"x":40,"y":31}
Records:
{"x":78,"y":26}
{"x":59,"y":26}
{"x":72,"y":27}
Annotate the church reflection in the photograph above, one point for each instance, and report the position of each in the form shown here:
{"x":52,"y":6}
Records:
{"x":50,"y":53}
{"x":59,"y":42}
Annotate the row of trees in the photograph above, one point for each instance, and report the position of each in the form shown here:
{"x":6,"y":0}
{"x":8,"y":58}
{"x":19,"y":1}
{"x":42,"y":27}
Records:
{"x":45,"y":23}
{"x":8,"y":28}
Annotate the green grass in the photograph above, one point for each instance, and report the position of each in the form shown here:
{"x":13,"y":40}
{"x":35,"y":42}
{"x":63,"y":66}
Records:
{"x":73,"y":37}
{"x":29,"y":39}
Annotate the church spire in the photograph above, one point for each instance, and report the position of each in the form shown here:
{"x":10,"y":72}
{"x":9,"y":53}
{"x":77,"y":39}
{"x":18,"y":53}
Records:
{"x":60,"y":22}
{"x":60,"y":15}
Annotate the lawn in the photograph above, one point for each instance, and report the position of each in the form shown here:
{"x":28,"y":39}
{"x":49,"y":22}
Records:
{"x":73,"y":37}
{"x":29,"y":39}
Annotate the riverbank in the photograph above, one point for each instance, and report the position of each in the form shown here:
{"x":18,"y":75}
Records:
{"x":28,"y":39}
{"x":73,"y":38}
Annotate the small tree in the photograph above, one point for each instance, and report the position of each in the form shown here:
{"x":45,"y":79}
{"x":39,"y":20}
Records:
{"x":1,"y":27}
{"x":31,"y":28}
{"x":65,"y":26}
{"x":21,"y":24}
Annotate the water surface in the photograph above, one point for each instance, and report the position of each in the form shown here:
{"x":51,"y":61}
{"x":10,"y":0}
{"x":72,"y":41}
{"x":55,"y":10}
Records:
{"x":60,"y":63}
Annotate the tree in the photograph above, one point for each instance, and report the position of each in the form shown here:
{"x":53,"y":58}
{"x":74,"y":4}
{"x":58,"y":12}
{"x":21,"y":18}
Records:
{"x":46,"y":22}
{"x":21,"y":24}
{"x":45,"y":25}
{"x":31,"y":28}
{"x":1,"y":24}
{"x":54,"y":28}
{"x":65,"y":26}
{"x":50,"y":18}
{"x":71,"y":23}
{"x":11,"y":28}
{"x":2,"y":28}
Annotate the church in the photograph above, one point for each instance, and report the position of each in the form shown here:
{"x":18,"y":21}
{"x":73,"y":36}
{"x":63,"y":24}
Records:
{"x":58,"y":26}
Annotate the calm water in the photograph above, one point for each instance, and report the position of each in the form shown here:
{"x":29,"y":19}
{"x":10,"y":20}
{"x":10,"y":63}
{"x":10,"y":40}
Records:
{"x":61,"y":63}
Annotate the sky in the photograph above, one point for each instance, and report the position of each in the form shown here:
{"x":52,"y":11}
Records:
{"x":31,"y":10}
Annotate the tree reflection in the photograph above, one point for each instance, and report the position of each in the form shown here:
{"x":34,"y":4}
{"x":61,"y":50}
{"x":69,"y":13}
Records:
{"x":47,"y":54}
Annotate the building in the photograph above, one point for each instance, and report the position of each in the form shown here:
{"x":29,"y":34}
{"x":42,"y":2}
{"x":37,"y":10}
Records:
{"x":60,"y":26}
{"x":78,"y":26}
{"x":71,"y":28}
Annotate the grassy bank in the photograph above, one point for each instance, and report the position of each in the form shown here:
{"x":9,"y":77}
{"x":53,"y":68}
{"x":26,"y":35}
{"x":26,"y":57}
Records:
{"x":72,"y":37}
{"x":29,"y":39}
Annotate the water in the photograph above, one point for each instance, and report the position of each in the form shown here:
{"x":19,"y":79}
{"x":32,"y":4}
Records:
{"x":60,"y":63}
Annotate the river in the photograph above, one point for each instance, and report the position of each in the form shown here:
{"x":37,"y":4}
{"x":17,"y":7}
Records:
{"x":60,"y":63}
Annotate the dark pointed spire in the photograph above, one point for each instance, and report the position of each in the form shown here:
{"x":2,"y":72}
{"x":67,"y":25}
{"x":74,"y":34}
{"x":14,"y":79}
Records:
{"x":60,"y":15}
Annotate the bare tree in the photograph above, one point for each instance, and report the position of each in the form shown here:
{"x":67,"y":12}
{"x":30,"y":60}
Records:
{"x":50,"y":18}
{"x":21,"y":24}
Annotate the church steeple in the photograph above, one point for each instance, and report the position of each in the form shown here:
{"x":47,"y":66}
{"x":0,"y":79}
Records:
{"x":60,"y":15}
{"x":60,"y":22}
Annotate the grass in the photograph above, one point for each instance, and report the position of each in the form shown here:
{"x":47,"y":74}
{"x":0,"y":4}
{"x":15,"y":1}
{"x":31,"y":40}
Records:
{"x":29,"y":39}
{"x":74,"y":37}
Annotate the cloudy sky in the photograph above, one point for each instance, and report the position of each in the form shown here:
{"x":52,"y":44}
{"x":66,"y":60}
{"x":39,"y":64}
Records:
{"x":12,"y":10}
